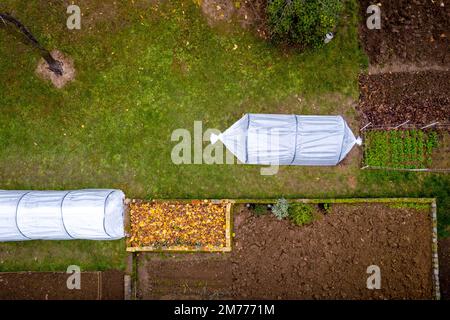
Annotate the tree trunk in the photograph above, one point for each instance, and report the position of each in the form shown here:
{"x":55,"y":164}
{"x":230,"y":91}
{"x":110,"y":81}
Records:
{"x":54,"y":65}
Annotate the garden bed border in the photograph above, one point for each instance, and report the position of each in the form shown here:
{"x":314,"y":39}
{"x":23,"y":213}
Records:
{"x":229,"y":225}
{"x":433,"y":216}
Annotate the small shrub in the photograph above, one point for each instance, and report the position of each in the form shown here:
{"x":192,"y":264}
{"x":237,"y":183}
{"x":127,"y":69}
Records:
{"x":260,"y":209}
{"x":301,"y":213}
{"x":302,"y":22}
{"x":280,"y":209}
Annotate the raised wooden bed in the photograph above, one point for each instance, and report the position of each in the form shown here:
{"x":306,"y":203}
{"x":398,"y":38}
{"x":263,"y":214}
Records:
{"x":182,"y":210}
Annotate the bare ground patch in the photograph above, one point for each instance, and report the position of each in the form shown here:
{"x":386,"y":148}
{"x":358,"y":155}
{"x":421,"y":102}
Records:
{"x":68,"y":75}
{"x":248,"y":14}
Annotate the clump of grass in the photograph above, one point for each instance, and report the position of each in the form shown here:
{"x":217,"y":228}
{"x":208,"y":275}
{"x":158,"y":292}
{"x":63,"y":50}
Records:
{"x":260,"y":209}
{"x":326,"y":207}
{"x":301,"y":213}
{"x":280,"y":209}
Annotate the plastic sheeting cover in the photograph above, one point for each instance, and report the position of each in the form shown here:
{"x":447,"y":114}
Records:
{"x":94,"y":214}
{"x":289,"y":139}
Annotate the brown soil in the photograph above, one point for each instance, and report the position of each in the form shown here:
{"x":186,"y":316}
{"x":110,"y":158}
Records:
{"x":392,"y":98}
{"x":440,"y":156}
{"x":44,"y":72}
{"x":184,"y":276}
{"x":411,"y":31}
{"x":328,"y":259}
{"x":218,"y":10}
{"x":247,"y":13}
{"x":113,"y":285}
{"x":52,"y":286}
{"x":444,"y":267}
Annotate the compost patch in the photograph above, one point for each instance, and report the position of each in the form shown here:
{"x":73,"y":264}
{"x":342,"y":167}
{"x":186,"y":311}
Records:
{"x":393,"y":98}
{"x":106,"y":285}
{"x":328,"y":259}
{"x":411,"y":32}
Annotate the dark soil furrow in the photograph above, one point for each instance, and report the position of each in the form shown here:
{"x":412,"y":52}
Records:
{"x":392,"y":98}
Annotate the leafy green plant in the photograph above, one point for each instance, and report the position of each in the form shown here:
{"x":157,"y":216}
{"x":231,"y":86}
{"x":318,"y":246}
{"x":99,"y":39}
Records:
{"x":403,"y":149}
{"x":260,"y":209}
{"x":280,"y":209}
{"x":301,"y":213}
{"x":302,"y":22}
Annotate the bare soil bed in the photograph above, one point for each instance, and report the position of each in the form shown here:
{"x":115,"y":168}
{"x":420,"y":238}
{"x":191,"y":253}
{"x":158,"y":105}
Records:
{"x":106,"y":285}
{"x":392,"y":98}
{"x":195,"y":276}
{"x":327,"y":259}
{"x":411,"y":32}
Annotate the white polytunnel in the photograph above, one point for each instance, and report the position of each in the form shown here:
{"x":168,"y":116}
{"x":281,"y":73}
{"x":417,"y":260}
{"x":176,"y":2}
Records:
{"x":91,"y":214}
{"x":289,"y":139}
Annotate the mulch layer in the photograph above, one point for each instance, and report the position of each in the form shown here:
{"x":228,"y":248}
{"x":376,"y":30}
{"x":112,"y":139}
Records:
{"x":327,"y":259}
{"x":196,"y":224}
{"x":392,"y":98}
{"x":106,"y":285}
{"x":411,"y":32}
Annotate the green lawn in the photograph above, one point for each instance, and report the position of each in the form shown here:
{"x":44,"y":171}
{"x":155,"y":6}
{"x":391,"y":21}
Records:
{"x":145,"y":70}
{"x":58,"y":255}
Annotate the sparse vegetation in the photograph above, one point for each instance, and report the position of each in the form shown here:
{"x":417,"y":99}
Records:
{"x":417,"y":206}
{"x":301,"y":213}
{"x":260,"y":209}
{"x":326,"y":207}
